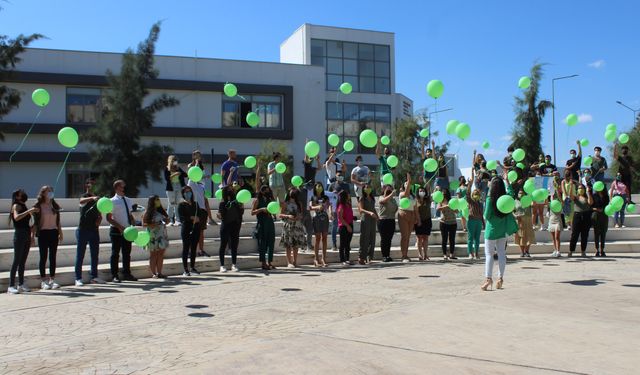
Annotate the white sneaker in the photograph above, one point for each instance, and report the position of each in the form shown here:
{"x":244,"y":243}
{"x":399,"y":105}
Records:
{"x":223,"y":269}
{"x":470,"y":256}
{"x":290,"y":265}
{"x":54,"y":284}
{"x":45,"y":286}
{"x":406,"y":260}
{"x":554,"y":254}
{"x":97,"y":280}
{"x":234,"y":268}
{"x":12,"y":290}
{"x":79,"y":283}
{"x":23,"y":288}
{"x":543,"y":229}
{"x":186,"y":273}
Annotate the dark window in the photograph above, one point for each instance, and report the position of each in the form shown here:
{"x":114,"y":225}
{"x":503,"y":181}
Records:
{"x":268,"y":108}
{"x":348,"y":120}
{"x":83,"y":105}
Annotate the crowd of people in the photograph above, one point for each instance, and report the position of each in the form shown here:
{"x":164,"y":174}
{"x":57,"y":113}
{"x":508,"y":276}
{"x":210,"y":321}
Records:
{"x":310,"y":211}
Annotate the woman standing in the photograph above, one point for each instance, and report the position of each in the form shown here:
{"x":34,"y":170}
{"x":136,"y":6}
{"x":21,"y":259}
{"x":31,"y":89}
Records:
{"x":619,"y":189}
{"x":568,"y":188}
{"x":266,"y":231}
{"x":368,"y":218}
{"x":174,"y":179}
{"x":475,"y":224}
{"x":22,"y":239}
{"x":230,"y":213}
{"x":495,"y":235}
{"x":423,"y":228}
{"x":600,"y":221}
{"x":407,"y":219}
{"x":345,"y":226}
{"x":387,"y":224}
{"x":154,"y":220}
{"x":292,"y":231}
{"x":49,"y":233}
{"x":555,"y":226}
{"x":321,"y":206}
{"x":448,"y":226}
{"x":190,"y":231}
{"x":461,"y":194}
{"x":525,"y":236}
{"x":581,"y":220}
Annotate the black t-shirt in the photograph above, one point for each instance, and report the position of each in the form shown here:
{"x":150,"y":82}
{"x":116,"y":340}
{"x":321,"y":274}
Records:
{"x":309,"y":172}
{"x":89,"y":214}
{"x":24,"y":223}
{"x":547,"y":169}
{"x":600,"y":201}
{"x":231,"y":212}
{"x":625,"y":163}
{"x":576,"y":168}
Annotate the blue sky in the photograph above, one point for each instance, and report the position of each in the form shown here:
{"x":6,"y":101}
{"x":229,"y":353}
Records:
{"x":479,"y":49}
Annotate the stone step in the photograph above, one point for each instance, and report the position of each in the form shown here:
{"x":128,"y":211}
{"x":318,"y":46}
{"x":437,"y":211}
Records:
{"x":249,"y":265}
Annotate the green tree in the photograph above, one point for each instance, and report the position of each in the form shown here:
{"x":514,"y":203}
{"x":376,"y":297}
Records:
{"x":116,"y":151}
{"x":10,"y":49}
{"x":529,"y":110}
{"x":266,"y":156}
{"x":634,"y":152}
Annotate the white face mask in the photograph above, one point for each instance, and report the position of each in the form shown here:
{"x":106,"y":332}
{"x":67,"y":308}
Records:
{"x":175,"y":162}
{"x":422,"y":194}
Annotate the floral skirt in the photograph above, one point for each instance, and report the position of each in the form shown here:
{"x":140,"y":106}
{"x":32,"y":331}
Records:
{"x":293,"y":234}
{"x":159,"y":239}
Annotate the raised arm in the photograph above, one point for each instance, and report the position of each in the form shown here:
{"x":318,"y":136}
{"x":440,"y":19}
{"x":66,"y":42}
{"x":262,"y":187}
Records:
{"x":406,"y":192}
{"x":257,"y":178}
{"x":579,"y":149}
{"x":470,"y":183}
{"x":422,"y":151}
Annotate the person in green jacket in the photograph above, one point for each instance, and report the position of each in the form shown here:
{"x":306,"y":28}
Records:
{"x":496,"y":232}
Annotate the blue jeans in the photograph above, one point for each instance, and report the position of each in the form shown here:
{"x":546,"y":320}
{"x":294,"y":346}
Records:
{"x":92,"y":237}
{"x":618,"y":217}
{"x":334,"y":231}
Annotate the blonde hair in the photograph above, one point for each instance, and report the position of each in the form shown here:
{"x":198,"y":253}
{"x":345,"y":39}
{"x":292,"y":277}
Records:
{"x":170,"y":161}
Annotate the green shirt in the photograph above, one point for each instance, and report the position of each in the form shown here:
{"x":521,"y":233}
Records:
{"x":384,"y":167}
{"x":495,"y":226}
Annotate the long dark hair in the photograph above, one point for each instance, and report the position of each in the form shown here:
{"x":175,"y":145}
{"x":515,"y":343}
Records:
{"x":446,"y":194}
{"x":15,"y":199}
{"x":293,"y":193}
{"x":186,"y":189}
{"x":228,"y":194}
{"x":365,"y":194}
{"x":41,"y":197}
{"x":343,"y":197}
{"x":265,"y":193}
{"x":496,"y":190}
{"x":151,"y":209}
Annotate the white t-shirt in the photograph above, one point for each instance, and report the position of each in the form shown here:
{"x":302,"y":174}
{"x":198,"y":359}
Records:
{"x":275,"y":178}
{"x":332,"y":170}
{"x":119,"y":213}
{"x":333,"y":198}
{"x":198,"y":194}
{"x":362,"y":175}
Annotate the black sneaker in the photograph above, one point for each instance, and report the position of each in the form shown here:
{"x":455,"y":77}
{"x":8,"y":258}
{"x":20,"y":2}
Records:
{"x":453,"y":257}
{"x":495,"y":256}
{"x":603,"y":254}
{"x":194,"y":271}
{"x":386,"y":259}
{"x":115,"y":279}
{"x":597,"y":254}
{"x":129,"y":277}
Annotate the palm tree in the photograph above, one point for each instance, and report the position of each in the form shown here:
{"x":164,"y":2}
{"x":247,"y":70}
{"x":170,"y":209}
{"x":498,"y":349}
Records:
{"x":527,"y":130}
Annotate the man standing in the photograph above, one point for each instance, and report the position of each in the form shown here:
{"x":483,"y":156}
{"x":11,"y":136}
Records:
{"x":204,"y":210}
{"x":90,"y":219}
{"x":229,"y":169}
{"x":276,"y":182}
{"x":120,"y":218}
{"x":548,"y":168}
{"x":598,"y":164}
{"x":306,"y":190}
{"x":360,"y":175}
{"x":429,"y":177}
{"x":574,"y":162}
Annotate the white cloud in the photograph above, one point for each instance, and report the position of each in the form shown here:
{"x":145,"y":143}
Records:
{"x":597,"y":64}
{"x":472,"y":143}
{"x":505,"y":138}
{"x":585,"y":117}
{"x":491,"y":152}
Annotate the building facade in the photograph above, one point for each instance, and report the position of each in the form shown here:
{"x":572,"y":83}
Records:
{"x":296,"y":99}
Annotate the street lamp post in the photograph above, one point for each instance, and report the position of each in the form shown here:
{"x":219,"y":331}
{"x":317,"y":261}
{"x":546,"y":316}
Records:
{"x":429,"y":120}
{"x":553,"y":110}
{"x":632,"y":110}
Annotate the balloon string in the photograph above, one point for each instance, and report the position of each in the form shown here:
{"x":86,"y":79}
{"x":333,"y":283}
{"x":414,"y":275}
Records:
{"x":25,"y":136}
{"x":61,"y":169}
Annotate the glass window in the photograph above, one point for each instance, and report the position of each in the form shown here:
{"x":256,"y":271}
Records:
{"x":382,"y":86}
{"x":350,"y":50}
{"x":230,"y":114}
{"x":264,"y":98}
{"x":351,"y":111}
{"x":365,"y":51}
{"x":383,"y":113}
{"x":353,"y":80}
{"x":367,"y":112}
{"x":334,"y":127}
{"x":383,"y":128}
{"x":351,"y":128}
{"x":334,"y":48}
{"x":83,"y":104}
{"x":334,"y":66}
{"x":334,"y":111}
{"x":333,"y":82}
{"x":318,"y":47}
{"x":269,"y":115}
{"x":366,"y":84}
{"x":382,"y":69}
{"x":382,"y":53}
{"x":268,"y":108}
{"x":317,"y":60}
{"x":365,"y":68}
{"x":350,"y":67}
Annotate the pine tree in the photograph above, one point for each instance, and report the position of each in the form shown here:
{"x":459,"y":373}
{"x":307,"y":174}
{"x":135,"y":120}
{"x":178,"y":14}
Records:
{"x":527,"y":130}
{"x":116,"y":151}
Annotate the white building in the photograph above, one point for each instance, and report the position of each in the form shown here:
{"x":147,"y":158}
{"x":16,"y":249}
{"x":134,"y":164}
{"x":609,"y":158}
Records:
{"x":297,"y":98}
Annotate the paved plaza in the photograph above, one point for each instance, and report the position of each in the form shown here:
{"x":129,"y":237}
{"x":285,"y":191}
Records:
{"x":563,"y":316}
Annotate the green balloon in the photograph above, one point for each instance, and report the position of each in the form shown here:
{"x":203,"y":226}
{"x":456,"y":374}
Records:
{"x":253,"y":119}
{"x":526,"y":201}
{"x":430,"y":165}
{"x":273,"y":208}
{"x":104,"y":205}
{"x":387,"y":179}
{"x":218,"y":194}
{"x":230,"y":90}
{"x":587,"y":161}
{"x":540,"y":195}
{"x":512,"y":176}
{"x":424,"y":133}
{"x":312,"y":149}
{"x":609,"y":210}
{"x":130,"y":233}
{"x":506,"y":204}
{"x":405,"y":203}
{"x":437,"y":196}
{"x":631,"y":208}
{"x":617,"y":202}
{"x":524,"y":82}
{"x":598,"y":186}
{"x":296,"y":181}
{"x":348,"y":146}
{"x":281,"y":167}
{"x":143,"y":238}
{"x":555,"y":206}
{"x":451,"y":126}
{"x":243,"y":196}
{"x":392,"y":161}
{"x":623,"y":138}
{"x":492,"y":165}
{"x":463,"y":130}
{"x":216,"y":178}
{"x":529,"y":186}
{"x":610,"y":135}
{"x":385,"y":140}
{"x":520,"y":165}
{"x":462,"y":204}
{"x":612,"y":126}
{"x":346,"y":88}
{"x":572,"y":119}
{"x":368,"y":138}
{"x":453,"y":185}
{"x":195,"y":173}
{"x":250,"y":162}
{"x":435,"y":88}
{"x":454,"y":203}
{"x":584,"y":142}
{"x":333,"y":139}
{"x":40,"y":97}
{"x":207,"y":194}
{"x":518,"y":154}
{"x":486,"y":145}
{"x":68,"y":137}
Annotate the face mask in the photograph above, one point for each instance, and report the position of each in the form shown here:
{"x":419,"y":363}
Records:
{"x":618,"y":178}
{"x":340,"y":178}
{"x":624,"y":152}
{"x":475,"y":197}
{"x":319,"y":189}
{"x":422,"y":194}
{"x":158,"y":204}
{"x":175,"y":162}
{"x":89,"y":187}
{"x":367,"y":190}
{"x":50,"y":195}
{"x":188,"y":195}
{"x":580,"y":191}
{"x":573,"y":156}
{"x":236,"y":187}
